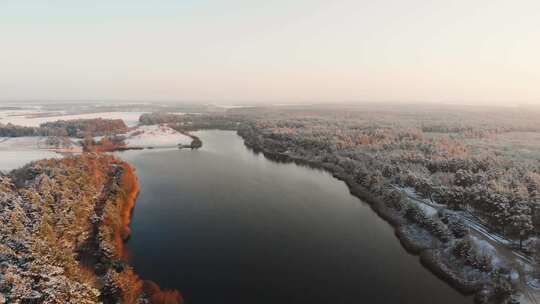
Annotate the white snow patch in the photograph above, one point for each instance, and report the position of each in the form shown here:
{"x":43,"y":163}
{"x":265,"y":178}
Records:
{"x":18,"y":151}
{"x":428,"y":210}
{"x":37,"y":143}
{"x":14,"y":159}
{"x":411,"y":193}
{"x":485,"y":247}
{"x":425,"y":204}
{"x":7,"y":115}
{"x":130,"y":118}
{"x":155,"y":136}
{"x":20,"y":143}
{"x":474,"y":223}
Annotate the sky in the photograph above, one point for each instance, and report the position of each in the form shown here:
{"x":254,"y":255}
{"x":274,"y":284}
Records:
{"x":287,"y":51}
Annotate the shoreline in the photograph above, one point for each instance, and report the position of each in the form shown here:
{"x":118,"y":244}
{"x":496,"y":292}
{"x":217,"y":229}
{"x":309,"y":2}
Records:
{"x":429,"y":256}
{"x":120,"y":193}
{"x":126,"y":199}
{"x":64,"y":227}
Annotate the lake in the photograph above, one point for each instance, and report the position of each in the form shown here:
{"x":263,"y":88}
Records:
{"x":225,"y":225}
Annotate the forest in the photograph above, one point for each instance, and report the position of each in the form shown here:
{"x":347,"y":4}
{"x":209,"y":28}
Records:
{"x":459,"y":174}
{"x":460,"y":185}
{"x":79,"y":128}
{"x":487,"y":163}
{"x":461,"y":160}
{"x":63,"y":224}
{"x":192,"y":122}
{"x":479,"y":169}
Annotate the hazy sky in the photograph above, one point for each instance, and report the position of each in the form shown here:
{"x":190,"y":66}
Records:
{"x":280,"y":50}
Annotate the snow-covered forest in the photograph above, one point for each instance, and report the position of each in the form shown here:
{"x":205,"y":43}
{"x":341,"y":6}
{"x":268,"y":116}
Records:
{"x":459,"y":173}
{"x":468,"y":178}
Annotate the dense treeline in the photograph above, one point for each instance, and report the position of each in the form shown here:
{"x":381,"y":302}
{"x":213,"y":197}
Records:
{"x":460,"y":162}
{"x":192,"y":122}
{"x":86,"y":127}
{"x":453,"y":157}
{"x":79,"y":128}
{"x":10,"y":130}
{"x":48,"y":208}
{"x":503,"y":192}
{"x":105,"y":144}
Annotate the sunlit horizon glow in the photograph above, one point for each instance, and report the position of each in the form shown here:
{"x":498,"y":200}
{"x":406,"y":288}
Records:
{"x":297,"y":51}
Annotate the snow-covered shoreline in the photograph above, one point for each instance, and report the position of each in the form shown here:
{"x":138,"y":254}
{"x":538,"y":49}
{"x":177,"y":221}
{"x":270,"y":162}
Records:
{"x":496,"y":246}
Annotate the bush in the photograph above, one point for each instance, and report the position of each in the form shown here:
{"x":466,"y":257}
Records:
{"x":456,"y":226}
{"x":415,"y":214}
{"x":159,"y":296}
{"x":458,"y":229}
{"x":462,"y":248}
{"x":483,"y":262}
{"x":503,"y":289}
{"x":438,"y":229}
{"x":394,"y":199}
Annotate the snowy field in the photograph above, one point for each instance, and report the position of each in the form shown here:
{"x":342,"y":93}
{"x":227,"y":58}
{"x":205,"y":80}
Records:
{"x":155,"y":136}
{"x":25,"y":117}
{"x":14,"y":159}
{"x":8,"y":115}
{"x":19,"y":143}
{"x":18,"y":151}
{"x":38,"y":143}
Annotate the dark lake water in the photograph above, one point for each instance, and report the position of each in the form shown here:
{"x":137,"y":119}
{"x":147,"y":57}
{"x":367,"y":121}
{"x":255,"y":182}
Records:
{"x":225,"y":225}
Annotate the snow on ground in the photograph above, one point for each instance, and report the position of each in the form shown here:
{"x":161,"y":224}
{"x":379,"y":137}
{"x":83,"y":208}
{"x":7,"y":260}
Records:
{"x":522,"y":266}
{"x":24,"y":118}
{"x":486,"y":248}
{"x":19,"y":143}
{"x":18,"y":151}
{"x":155,"y":136}
{"x":476,"y":224}
{"x":426,"y":205}
{"x":13,"y":156}
{"x":14,"y":159}
{"x":38,"y":143}
{"x":23,"y":111}
{"x":428,"y":210}
{"x":467,"y":217}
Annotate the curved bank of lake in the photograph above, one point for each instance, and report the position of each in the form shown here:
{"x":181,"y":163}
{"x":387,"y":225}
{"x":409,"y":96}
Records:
{"x":225,"y":225}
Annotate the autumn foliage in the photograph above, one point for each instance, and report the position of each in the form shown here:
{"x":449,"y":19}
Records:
{"x":159,"y":296}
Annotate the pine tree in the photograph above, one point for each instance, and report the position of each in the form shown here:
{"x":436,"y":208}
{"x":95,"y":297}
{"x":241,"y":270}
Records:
{"x":521,"y":221}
